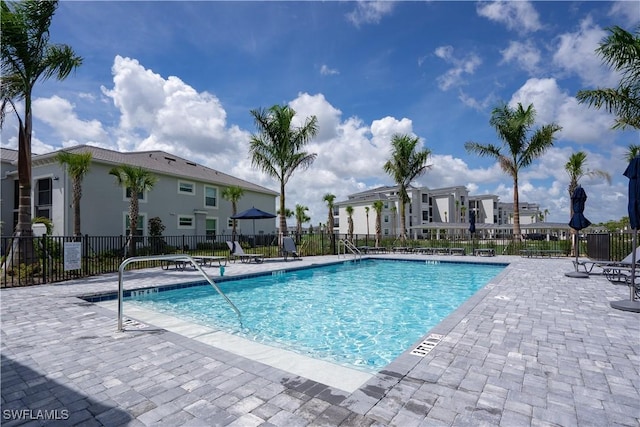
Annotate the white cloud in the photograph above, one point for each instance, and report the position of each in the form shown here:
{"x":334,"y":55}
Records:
{"x":60,"y":115}
{"x":575,"y":54}
{"x":516,"y":15}
{"x":526,"y":55}
{"x":461,"y":66}
{"x":326,"y":71}
{"x":579,"y":123}
{"x":627,"y":11}
{"x":369,"y":12}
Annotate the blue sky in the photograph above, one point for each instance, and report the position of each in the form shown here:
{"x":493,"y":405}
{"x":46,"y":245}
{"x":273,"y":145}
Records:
{"x":182,"y":76}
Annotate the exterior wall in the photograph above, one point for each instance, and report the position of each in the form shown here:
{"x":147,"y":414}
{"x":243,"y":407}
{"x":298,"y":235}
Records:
{"x":104,"y":206}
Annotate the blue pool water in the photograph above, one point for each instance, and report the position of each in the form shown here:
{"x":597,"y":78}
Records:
{"x":361,"y":315}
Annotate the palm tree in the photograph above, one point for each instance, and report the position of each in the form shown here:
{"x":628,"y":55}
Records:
{"x":233,"y":194}
{"x":277,"y":148}
{"x":377,"y":206}
{"x":366,"y":213}
{"x":405,"y":165}
{"x":137,"y":181}
{"x":394,"y":220}
{"x":513,"y":126}
{"x":575,"y":167}
{"x":301,"y":218}
{"x":546,"y":212}
{"x":349,"y":210}
{"x":28,"y":57}
{"x":77,"y":166}
{"x":620,"y":51}
{"x":632,"y":151}
{"x":329,"y":198}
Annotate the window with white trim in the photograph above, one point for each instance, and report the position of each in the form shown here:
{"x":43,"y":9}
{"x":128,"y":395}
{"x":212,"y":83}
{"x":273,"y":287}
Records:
{"x":211,"y":224}
{"x":186,"y":221}
{"x":186,"y":187}
{"x":142,"y":196}
{"x":210,"y":197}
{"x":140,"y":227}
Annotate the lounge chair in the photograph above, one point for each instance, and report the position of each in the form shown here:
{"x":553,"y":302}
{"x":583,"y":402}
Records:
{"x":238,"y":253}
{"x":289,"y":248}
{"x":588,"y":265}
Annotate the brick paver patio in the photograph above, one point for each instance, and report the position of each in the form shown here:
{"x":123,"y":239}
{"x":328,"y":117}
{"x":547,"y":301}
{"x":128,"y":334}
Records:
{"x":533,"y":347}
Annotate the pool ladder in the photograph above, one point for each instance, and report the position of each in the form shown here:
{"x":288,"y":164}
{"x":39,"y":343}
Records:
{"x":183,"y":258}
{"x":346,"y":244}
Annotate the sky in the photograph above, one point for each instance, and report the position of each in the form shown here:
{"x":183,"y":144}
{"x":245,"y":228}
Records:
{"x":182,"y":77}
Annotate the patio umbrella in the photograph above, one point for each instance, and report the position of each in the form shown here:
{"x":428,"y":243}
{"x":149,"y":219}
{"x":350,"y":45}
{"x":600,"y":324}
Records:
{"x":472,"y":229}
{"x":578,"y":222}
{"x":253,"y":214}
{"x":632,"y":172}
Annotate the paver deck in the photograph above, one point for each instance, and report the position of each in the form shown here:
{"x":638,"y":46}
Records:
{"x":533,"y":347}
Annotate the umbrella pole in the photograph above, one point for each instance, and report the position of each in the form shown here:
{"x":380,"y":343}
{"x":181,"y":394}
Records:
{"x":632,"y":285}
{"x":577,"y":245}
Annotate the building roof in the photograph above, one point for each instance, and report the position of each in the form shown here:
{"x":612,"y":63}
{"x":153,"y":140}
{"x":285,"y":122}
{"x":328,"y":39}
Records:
{"x":8,"y":155}
{"x":159,"y":162}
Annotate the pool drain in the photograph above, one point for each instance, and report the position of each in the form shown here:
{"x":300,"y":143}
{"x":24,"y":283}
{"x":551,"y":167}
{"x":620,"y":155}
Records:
{"x":427,"y":345}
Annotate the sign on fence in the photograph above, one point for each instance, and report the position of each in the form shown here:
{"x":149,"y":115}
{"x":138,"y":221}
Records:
{"x":72,"y":255}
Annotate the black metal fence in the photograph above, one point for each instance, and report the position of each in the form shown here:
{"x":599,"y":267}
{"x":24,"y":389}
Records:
{"x":49,"y":259}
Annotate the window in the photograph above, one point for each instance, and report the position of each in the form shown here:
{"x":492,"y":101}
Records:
{"x":210,"y":197}
{"x":230,"y":223}
{"x":425,"y":215}
{"x":186,"y":187}
{"x":185,"y":221}
{"x":43,"y":198}
{"x":44,"y":192}
{"x":127,"y":195}
{"x":142,"y":220}
{"x":210,"y":227}
{"x":386,"y":218}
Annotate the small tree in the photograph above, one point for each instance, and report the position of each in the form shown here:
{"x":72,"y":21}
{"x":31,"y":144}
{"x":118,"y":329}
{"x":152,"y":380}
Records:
{"x":156,"y":227}
{"x":377,"y":206}
{"x":77,"y":166}
{"x":301,"y":218}
{"x":136,"y":181}
{"x":349,"y":210}
{"x":233,"y":194}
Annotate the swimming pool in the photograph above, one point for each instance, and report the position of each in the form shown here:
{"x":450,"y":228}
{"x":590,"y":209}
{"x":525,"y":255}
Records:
{"x":361,"y":315}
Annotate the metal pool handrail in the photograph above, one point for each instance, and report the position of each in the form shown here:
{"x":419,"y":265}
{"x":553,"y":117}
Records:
{"x":184,"y":258}
{"x":352,"y":248}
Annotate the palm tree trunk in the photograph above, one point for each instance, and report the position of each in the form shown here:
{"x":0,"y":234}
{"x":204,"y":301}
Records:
{"x":516,"y":211}
{"x":283,"y":218}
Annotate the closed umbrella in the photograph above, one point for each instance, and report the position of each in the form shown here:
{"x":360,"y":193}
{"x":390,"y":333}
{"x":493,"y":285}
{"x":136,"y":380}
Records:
{"x":253,"y":214}
{"x":472,"y":229}
{"x":578,"y":222}
{"x":633,"y":173}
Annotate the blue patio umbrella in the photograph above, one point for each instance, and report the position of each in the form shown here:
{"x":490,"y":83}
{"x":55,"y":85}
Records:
{"x":253,"y":213}
{"x":578,"y":222}
{"x":633,"y":173}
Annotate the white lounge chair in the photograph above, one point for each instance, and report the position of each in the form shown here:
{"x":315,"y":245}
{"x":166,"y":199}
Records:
{"x":289,"y":248}
{"x":238,"y":253}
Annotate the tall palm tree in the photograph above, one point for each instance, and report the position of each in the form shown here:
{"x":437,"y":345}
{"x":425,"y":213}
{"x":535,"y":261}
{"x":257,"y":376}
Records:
{"x":233,"y":194}
{"x":513,"y":126}
{"x":28,"y":57}
{"x":575,"y":167}
{"x":621,"y":52}
{"x":77,"y":166}
{"x":301,"y":218}
{"x":378,"y":205}
{"x":277,"y":149}
{"x":137,"y":181}
{"x":349,"y":210}
{"x":405,"y":165}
